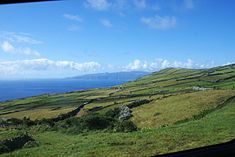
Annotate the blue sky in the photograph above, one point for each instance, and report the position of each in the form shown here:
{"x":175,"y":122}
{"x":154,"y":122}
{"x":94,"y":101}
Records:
{"x":71,"y":37}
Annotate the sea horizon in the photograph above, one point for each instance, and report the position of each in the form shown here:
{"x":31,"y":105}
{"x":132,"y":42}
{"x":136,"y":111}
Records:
{"x":24,"y":88}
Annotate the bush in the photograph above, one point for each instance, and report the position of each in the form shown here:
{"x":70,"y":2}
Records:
{"x":10,"y":122}
{"x":113,"y":113}
{"x":86,"y":123}
{"x":96,"y":122}
{"x":66,"y":125}
{"x":12,"y":144}
{"x":44,"y":121}
{"x":40,"y":128}
{"x":3,"y":148}
{"x":27,"y":122}
{"x":137,"y":103}
{"x":125,"y":126}
{"x":108,"y":121}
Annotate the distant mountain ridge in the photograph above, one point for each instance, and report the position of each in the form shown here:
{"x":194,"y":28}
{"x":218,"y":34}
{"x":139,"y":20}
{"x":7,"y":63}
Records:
{"x":117,"y":76}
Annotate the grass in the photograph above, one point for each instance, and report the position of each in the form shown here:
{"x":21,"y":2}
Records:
{"x":5,"y":134}
{"x":39,"y":113}
{"x":175,"y":108}
{"x":214,"y":128}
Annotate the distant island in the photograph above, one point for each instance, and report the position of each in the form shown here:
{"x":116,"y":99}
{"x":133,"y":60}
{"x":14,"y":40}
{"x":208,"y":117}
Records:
{"x":117,"y":76}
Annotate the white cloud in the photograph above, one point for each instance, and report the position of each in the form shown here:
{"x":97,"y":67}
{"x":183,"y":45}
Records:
{"x":162,"y":64}
{"x":137,"y":65}
{"x":9,"y":48}
{"x":19,"y":38}
{"x":106,"y":23}
{"x":43,"y":64}
{"x":12,"y":38}
{"x":160,"y":22}
{"x":98,"y":4}
{"x":189,"y":4}
{"x":73,"y":17}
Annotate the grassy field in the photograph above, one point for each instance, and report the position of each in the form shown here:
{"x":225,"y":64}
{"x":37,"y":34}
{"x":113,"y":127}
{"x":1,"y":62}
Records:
{"x":214,"y":128}
{"x":39,"y":113}
{"x":175,"y":108}
{"x":177,"y":116}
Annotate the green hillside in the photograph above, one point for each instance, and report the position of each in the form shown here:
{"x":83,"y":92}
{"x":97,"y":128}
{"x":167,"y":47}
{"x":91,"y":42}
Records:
{"x":170,"y":110}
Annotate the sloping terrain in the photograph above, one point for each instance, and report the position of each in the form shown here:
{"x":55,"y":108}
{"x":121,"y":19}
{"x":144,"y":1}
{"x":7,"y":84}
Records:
{"x":173,"y":109}
{"x":216,"y":127}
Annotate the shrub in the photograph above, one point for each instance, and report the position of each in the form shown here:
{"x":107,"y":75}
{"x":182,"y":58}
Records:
{"x":114,"y":113}
{"x":66,"y":124}
{"x":27,"y":122}
{"x":108,"y":121}
{"x":96,"y":122}
{"x":125,"y":126}
{"x":40,"y":128}
{"x":3,"y":148}
{"x":137,"y":103}
{"x":48,"y":122}
{"x":12,"y":144}
{"x":86,"y":123}
{"x":14,"y":121}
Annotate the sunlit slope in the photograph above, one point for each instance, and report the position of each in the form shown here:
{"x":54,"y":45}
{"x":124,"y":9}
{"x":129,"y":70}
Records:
{"x":176,"y":79}
{"x":162,"y":112}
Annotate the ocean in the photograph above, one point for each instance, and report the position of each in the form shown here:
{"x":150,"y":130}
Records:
{"x":10,"y":90}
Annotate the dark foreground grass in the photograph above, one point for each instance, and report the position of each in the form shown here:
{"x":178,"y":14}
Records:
{"x":216,"y":127}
